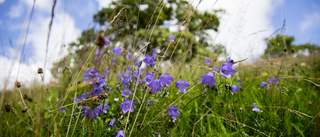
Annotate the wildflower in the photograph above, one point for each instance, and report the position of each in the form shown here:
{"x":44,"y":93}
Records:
{"x":81,"y":97}
{"x":129,"y":68}
{"x":204,"y":91}
{"x":137,"y":63}
{"x":155,"y":85}
{"x":165,"y":80}
{"x":149,"y":77}
{"x":273,"y":80}
{"x":107,"y":42}
{"x":105,"y":108}
{"x":208,"y":78}
{"x":154,"y":53}
{"x":126,"y":106}
{"x":116,"y":99}
{"x":85,"y":111}
{"x":229,"y":60}
{"x":263,"y":84}
{"x":90,"y":75}
{"x":148,"y":103}
{"x":156,"y":133}
{"x":129,"y":55}
{"x":240,"y":80}
{"x":255,"y":108}
{"x":113,"y":60}
{"x":171,"y":38}
{"x":136,"y":73}
{"x":149,"y":60}
{"x":207,"y":61}
{"x":181,"y":85}
{"x":120,"y":133}
{"x":173,"y":112}
{"x":226,"y":70}
{"x":116,"y":51}
{"x":215,"y":68}
{"x":112,"y":122}
{"x":235,"y":88}
{"x":126,"y":93}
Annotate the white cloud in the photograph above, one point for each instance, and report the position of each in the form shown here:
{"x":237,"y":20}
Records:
{"x":103,"y":3}
{"x":16,"y":11}
{"x":2,"y":1}
{"x":310,"y":21}
{"x":243,"y":27}
{"x":63,"y":32}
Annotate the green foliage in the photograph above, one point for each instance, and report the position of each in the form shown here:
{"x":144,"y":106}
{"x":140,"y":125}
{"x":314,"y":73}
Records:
{"x":282,"y":44}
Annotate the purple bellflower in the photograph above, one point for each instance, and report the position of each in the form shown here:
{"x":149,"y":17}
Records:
{"x":62,"y":109}
{"x":116,"y":51}
{"x":235,"y":88}
{"x":173,"y":112}
{"x":208,"y":79}
{"x":171,"y":38}
{"x":154,"y":53}
{"x":126,"y":106}
{"x":229,"y":60}
{"x":126,"y":93}
{"x":112,"y":122}
{"x":165,"y":80}
{"x":207,"y":61}
{"x":227,"y":70}
{"x":148,"y":103}
{"x":273,"y":80}
{"x":181,"y":85}
{"x":107,"y":42}
{"x":136,"y":63}
{"x":263,"y":84}
{"x":255,"y":108}
{"x":215,"y":68}
{"x":149,"y":60}
{"x":120,"y":133}
{"x":156,"y":133}
{"x":129,"y":55}
{"x":155,"y":85}
{"x":149,"y":77}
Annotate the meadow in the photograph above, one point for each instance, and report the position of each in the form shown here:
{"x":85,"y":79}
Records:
{"x":111,"y":90}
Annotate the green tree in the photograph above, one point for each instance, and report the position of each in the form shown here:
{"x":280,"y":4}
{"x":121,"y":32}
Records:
{"x":281,"y":44}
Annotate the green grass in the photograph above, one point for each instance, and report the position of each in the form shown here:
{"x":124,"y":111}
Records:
{"x":289,"y":109}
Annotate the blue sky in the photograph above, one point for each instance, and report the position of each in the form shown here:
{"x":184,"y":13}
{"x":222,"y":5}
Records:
{"x":243,"y":27}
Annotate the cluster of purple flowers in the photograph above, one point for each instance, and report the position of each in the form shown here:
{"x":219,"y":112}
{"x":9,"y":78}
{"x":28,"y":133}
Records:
{"x":95,"y":111}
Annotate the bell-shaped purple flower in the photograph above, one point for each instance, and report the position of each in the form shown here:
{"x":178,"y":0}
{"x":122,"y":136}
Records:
{"x":116,"y":51}
{"x":255,"y":108}
{"x":171,"y":38}
{"x":62,"y":109}
{"x":227,"y":70}
{"x":107,"y":42}
{"x":165,"y":80}
{"x":208,"y":79}
{"x":155,"y":85}
{"x":149,"y":60}
{"x":136,"y":63}
{"x":173,"y":112}
{"x":120,"y":133}
{"x":235,"y":88}
{"x":112,"y":122}
{"x":215,"y":68}
{"x":263,"y":84}
{"x":113,"y":60}
{"x":273,"y":80}
{"x":129,"y":55}
{"x":149,"y":77}
{"x":126,"y":106}
{"x":207,"y":61}
{"x":149,"y":102}
{"x":126,"y":93}
{"x":181,"y":85}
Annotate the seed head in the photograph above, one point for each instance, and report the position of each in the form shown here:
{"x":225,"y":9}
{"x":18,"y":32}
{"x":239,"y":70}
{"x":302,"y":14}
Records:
{"x":95,"y":99}
{"x":40,"y":70}
{"x":25,"y":96}
{"x":285,"y":50}
{"x":18,"y":84}
{"x":103,"y":96}
{"x":83,"y":102}
{"x":25,"y":109}
{"x":7,"y":107}
{"x":100,"y":40}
